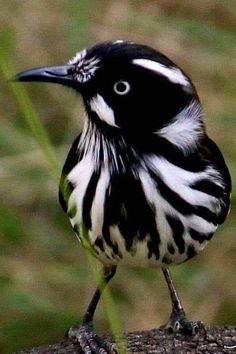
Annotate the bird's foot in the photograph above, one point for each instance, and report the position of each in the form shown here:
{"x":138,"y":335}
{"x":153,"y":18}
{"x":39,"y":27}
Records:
{"x":89,"y":341}
{"x":179,"y":323}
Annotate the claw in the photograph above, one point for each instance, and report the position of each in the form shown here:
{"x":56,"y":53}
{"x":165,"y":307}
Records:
{"x":179,"y":323}
{"x":176,"y":327}
{"x":89,"y":341}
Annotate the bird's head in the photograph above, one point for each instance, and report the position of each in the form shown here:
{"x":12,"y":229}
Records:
{"x":124,"y":85}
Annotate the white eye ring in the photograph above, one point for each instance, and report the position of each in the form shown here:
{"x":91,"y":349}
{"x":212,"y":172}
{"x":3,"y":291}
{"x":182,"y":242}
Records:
{"x":121,"y":87}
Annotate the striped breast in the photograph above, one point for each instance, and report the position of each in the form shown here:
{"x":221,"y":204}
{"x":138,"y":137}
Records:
{"x":149,"y":214}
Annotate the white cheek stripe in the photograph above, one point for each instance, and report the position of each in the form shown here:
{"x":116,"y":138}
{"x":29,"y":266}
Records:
{"x":104,"y":112}
{"x":173,"y":74}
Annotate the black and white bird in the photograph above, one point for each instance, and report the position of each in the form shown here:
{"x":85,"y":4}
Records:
{"x":143,"y":184}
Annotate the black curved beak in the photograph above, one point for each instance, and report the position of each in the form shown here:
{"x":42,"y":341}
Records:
{"x":57,"y":74}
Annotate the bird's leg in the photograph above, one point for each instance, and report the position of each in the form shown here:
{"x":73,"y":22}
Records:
{"x":89,"y":341}
{"x":178,"y":321}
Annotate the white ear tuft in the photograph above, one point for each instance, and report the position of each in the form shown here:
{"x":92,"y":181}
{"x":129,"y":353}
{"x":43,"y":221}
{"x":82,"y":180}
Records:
{"x":186,"y":128}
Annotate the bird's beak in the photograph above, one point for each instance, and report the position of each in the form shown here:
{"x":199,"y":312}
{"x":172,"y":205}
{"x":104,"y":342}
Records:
{"x":57,"y":74}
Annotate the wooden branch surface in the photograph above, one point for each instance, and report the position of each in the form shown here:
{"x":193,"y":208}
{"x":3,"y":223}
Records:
{"x":215,"y":340}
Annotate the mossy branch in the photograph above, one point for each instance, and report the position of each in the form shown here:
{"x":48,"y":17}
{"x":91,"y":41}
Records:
{"x":216,"y":339}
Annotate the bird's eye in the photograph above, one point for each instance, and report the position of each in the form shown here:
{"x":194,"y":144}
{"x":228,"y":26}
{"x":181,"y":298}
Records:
{"x":121,"y":87}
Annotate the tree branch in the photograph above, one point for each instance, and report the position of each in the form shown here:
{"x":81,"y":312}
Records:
{"x":215,"y":340}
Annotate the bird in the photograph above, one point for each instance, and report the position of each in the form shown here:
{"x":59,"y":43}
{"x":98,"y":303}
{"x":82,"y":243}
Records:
{"x":143,"y":184}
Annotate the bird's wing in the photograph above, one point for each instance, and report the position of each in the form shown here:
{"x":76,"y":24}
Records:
{"x":212,"y":153}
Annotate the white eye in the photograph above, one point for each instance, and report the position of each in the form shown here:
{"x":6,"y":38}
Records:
{"x":121,"y":87}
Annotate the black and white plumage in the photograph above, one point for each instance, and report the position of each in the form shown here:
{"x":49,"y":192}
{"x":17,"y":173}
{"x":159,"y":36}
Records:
{"x":146,"y":182}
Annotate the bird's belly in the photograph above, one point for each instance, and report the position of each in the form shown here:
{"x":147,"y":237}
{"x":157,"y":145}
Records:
{"x":140,"y":220}
{"x":146,"y":252}
{"x":172,"y":246}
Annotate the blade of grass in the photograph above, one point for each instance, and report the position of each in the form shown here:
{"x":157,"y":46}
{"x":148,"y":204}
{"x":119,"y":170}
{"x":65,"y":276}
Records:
{"x":107,"y":299}
{"x":30,"y":116}
{"x":41,"y":137}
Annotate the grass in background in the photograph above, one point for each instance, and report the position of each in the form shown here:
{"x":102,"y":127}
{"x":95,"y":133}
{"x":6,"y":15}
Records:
{"x":30,"y":115}
{"x":42,"y":139}
{"x":44,"y":278}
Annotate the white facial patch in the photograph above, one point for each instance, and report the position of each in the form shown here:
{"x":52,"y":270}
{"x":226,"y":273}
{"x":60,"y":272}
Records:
{"x":173,"y":74}
{"x":104,"y":112}
{"x":78,"y":57}
{"x":186,"y":128}
{"x":118,"y":41}
{"x":85,"y":68}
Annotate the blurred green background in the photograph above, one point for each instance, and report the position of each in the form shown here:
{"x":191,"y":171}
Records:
{"x":45,"y":281}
